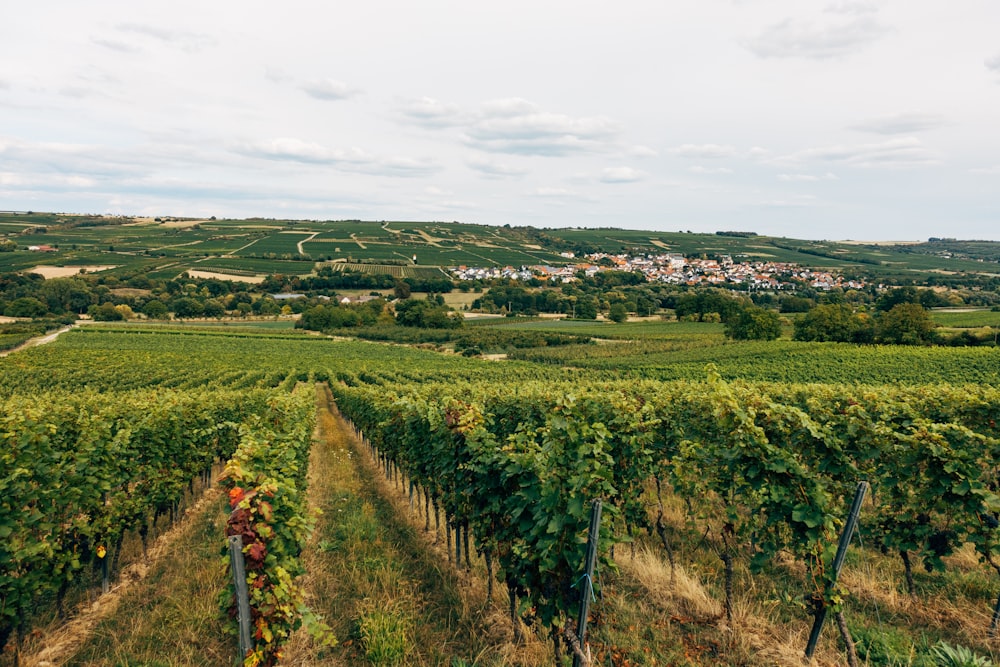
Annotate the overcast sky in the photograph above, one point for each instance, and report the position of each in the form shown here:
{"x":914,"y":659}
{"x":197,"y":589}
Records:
{"x":825,"y":120}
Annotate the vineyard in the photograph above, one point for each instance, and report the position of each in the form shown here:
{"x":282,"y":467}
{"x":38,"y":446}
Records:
{"x":743,"y":484}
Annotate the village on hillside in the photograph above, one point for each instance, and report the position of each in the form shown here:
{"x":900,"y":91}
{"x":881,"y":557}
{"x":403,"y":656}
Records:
{"x":672,"y":268}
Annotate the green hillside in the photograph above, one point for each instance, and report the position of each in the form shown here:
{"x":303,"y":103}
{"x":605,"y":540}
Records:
{"x":170,"y":246}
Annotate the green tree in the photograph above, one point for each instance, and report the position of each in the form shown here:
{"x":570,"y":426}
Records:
{"x":834,"y":322}
{"x":26,"y":306}
{"x":618,"y":313}
{"x":754,"y":324}
{"x":105,"y":312}
{"x":906,"y":324}
{"x":266,"y":306}
{"x":586,"y":308}
{"x":427,"y":314}
{"x":213,"y":308}
{"x":796,"y":304}
{"x":188,"y":307}
{"x":702,"y":302}
{"x":401,"y":290}
{"x":155,"y":310}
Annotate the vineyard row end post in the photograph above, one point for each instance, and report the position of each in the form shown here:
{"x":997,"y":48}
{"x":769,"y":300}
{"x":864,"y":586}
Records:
{"x":838,"y":562}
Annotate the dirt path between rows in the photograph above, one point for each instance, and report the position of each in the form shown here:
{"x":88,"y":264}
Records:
{"x":41,"y":340}
{"x":369,"y":566}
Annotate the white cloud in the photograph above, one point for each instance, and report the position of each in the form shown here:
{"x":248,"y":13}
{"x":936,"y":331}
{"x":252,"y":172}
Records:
{"x":429,"y":112}
{"x":328,"y":89}
{"x":506,"y":107}
{"x":46,"y":181}
{"x":286,"y":149}
{"x":849,"y":7}
{"x":986,"y":171}
{"x":77,"y":158}
{"x":277,"y":75}
{"x":458,"y":204}
{"x":802,"y":39}
{"x":994,"y":63}
{"x":797,"y":201}
{"x":186,"y":41}
{"x":494,"y":169}
{"x":116,"y":45}
{"x":894,"y":153}
{"x":704,"y":151}
{"x":621,"y":175}
{"x":296,"y":150}
{"x":901,"y":123}
{"x":448,"y":205}
{"x":78,"y":92}
{"x":517,"y":126}
{"x":642,"y":152}
{"x":699,"y":169}
{"x":557,"y":193}
{"x":807,"y":178}
{"x":404,"y":166}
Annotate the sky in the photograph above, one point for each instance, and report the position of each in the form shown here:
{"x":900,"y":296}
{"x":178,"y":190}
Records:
{"x":833,"y":119}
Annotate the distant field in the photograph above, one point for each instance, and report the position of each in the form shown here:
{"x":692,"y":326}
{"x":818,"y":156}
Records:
{"x":651,"y":329}
{"x":974,"y":318}
{"x":256,"y":265}
{"x":395,"y":270}
{"x":228,"y":325}
{"x":254,"y":245}
{"x":278,"y":244}
{"x":686,"y":350}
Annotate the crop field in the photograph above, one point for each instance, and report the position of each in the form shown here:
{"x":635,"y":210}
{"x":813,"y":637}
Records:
{"x":690,"y":352}
{"x":395,"y":270}
{"x":282,"y":243}
{"x":13,"y":227}
{"x":256,"y":265}
{"x":649,"y":329}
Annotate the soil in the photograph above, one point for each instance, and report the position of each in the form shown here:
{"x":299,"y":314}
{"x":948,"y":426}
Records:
{"x":67,"y":271}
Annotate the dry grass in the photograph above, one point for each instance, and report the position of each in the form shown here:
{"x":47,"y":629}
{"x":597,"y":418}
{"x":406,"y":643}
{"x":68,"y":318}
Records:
{"x":685,"y":596}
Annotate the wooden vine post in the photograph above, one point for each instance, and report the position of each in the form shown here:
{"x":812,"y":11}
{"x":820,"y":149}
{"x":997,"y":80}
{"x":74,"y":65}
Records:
{"x":838,"y":563}
{"x":580,"y":659}
{"x":242,"y":594}
{"x":996,"y":619}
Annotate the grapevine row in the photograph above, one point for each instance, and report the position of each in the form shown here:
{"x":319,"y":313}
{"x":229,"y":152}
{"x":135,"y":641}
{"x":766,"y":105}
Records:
{"x":81,"y":470}
{"x":767,"y":469}
{"x":266,"y":483}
